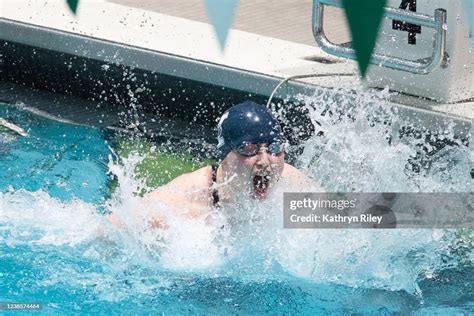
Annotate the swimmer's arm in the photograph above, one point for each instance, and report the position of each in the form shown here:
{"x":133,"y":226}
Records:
{"x":153,"y":219}
{"x":152,"y":209}
{"x":114,"y":219}
{"x":187,"y":195}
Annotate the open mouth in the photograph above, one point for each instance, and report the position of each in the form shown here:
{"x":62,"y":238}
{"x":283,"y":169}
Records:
{"x":260,"y":185}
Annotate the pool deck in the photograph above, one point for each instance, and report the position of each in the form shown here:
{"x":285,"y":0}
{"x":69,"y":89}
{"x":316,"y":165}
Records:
{"x":284,"y":19}
{"x":174,"y":39}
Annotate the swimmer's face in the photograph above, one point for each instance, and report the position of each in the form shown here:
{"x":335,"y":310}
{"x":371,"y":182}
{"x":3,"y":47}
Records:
{"x":256,"y":173}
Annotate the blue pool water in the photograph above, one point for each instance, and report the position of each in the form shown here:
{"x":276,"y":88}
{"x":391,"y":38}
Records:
{"x":57,"y":248}
{"x":64,"y":160}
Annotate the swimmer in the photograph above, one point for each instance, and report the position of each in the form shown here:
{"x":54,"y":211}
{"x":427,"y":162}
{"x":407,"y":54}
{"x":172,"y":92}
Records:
{"x":251,"y":149}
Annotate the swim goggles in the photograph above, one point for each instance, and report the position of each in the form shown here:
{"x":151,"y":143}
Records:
{"x":250,"y":150}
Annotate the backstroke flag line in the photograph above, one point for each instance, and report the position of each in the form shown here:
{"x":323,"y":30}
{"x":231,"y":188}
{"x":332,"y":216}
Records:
{"x":221,"y":15}
{"x":364,"y":17}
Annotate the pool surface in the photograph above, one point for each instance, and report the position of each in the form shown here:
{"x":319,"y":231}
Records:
{"x":58,"y":248}
{"x":63,"y":160}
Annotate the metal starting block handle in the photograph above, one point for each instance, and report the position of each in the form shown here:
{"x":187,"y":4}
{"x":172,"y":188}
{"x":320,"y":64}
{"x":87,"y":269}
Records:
{"x":439,"y":57}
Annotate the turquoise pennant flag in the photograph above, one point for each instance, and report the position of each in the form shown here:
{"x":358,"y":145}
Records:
{"x":73,"y":5}
{"x":364,"y":17}
{"x":221,"y":15}
{"x":469,"y":5}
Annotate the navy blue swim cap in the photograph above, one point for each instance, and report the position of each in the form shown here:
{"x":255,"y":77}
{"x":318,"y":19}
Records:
{"x":247,"y":123}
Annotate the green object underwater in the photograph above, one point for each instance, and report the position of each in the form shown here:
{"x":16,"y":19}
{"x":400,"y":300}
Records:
{"x":159,"y":166}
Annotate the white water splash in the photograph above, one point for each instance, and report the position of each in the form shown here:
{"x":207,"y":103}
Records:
{"x":362,"y":150}
{"x":35,"y":218}
{"x":246,"y":241}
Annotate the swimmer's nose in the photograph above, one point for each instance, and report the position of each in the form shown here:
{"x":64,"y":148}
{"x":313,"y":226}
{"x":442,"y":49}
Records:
{"x":263,"y":159}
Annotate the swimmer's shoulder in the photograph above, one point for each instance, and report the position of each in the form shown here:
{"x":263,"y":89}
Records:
{"x":197,"y":180}
{"x":189,"y":192}
{"x":300,"y":180}
{"x":290,"y":171}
